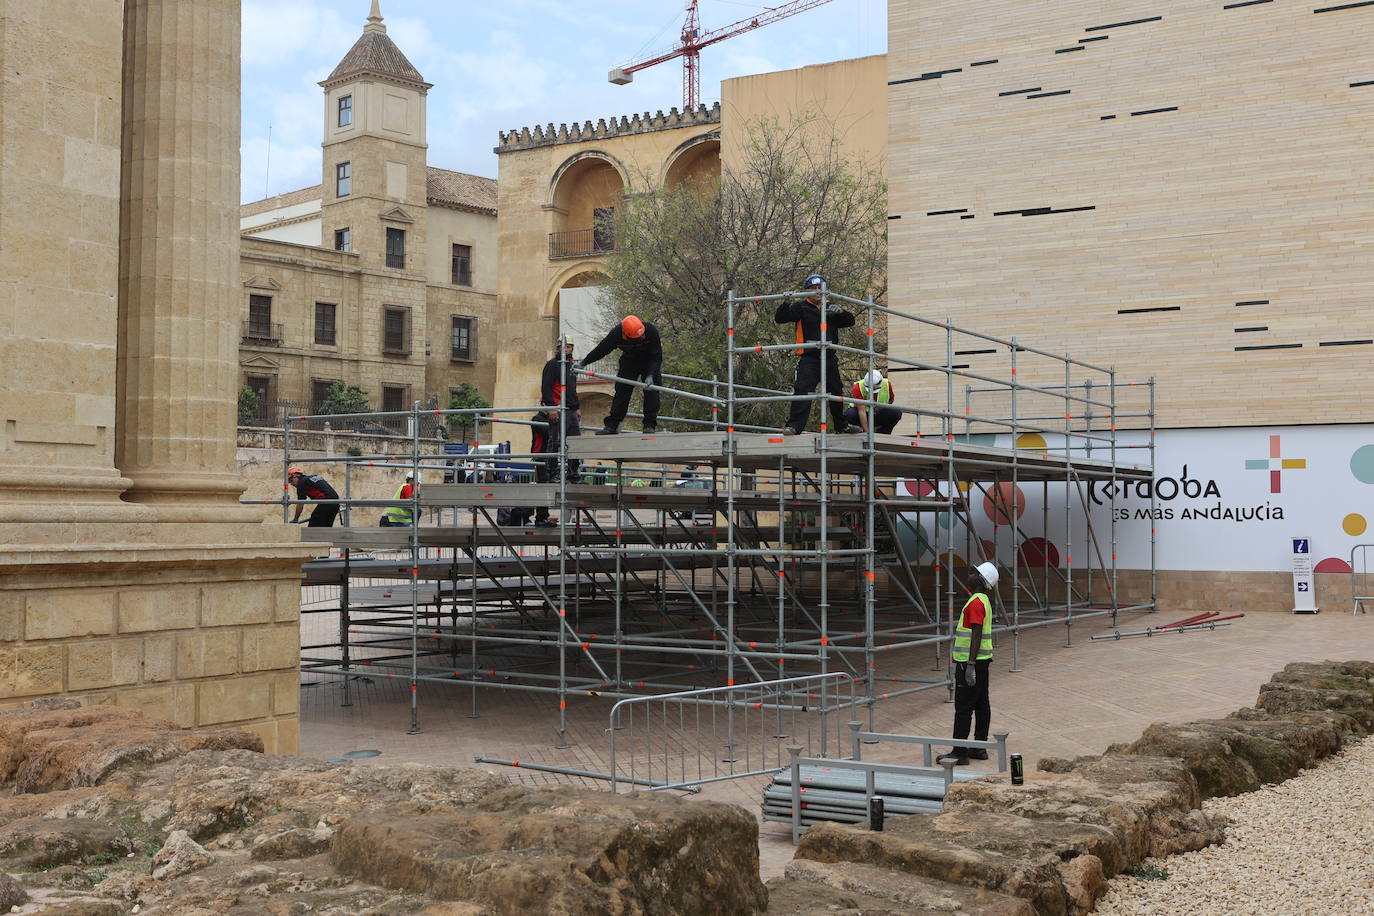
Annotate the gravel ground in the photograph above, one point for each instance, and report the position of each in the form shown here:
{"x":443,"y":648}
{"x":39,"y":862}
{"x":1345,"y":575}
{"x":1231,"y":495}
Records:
{"x":1305,"y":846}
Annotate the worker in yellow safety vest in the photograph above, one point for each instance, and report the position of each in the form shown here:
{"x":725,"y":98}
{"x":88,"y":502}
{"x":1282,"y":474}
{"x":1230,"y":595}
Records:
{"x":399,"y":516}
{"x":971,"y":667}
{"x":873,"y":385}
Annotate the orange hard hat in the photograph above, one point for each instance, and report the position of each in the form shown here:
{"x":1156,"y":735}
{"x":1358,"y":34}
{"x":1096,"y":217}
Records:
{"x":290,"y":471}
{"x":632,"y":328}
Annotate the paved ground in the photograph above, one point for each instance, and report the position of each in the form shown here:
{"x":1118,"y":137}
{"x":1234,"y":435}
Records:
{"x":1065,"y":701}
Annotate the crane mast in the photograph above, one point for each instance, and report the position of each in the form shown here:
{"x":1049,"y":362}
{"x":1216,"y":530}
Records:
{"x":693,"y":40}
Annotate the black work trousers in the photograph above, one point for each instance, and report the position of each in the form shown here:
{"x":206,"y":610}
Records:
{"x":808,"y":377}
{"x":323,"y":516}
{"x":636,"y":368}
{"x":971,"y":704}
{"x":887,"y":418}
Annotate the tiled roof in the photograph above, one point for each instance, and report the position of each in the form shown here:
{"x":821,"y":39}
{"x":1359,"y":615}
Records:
{"x":374,"y":52}
{"x":289,"y":199}
{"x":443,"y":187}
{"x":459,"y":189}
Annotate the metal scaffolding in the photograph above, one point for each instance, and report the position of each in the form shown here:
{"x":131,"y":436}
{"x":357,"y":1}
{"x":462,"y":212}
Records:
{"x":729,"y":554}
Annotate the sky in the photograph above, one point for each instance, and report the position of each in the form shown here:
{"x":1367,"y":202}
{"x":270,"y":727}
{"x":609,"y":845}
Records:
{"x":508,"y":64}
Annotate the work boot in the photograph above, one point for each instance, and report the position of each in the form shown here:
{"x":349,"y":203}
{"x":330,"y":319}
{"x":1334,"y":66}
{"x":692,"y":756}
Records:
{"x":608,"y":430}
{"x":977,"y":753}
{"x":545,"y":523}
{"x":790,"y":431}
{"x":650,"y":429}
{"x":958,"y":755}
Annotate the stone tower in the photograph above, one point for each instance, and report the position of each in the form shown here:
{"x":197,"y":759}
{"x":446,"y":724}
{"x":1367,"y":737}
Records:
{"x":375,"y":154}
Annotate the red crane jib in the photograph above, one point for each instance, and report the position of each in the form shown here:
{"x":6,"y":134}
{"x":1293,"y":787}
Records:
{"x":693,"y":40}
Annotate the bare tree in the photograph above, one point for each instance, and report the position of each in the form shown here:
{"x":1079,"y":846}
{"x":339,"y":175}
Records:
{"x":791,"y":205}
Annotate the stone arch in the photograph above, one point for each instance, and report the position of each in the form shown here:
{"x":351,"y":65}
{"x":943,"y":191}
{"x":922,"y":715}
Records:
{"x":584,"y":187}
{"x":693,"y":160}
{"x":583,"y":273}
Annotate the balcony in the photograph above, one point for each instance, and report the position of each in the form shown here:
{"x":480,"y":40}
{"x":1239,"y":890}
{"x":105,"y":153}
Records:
{"x":262,"y":333}
{"x":581,"y":243}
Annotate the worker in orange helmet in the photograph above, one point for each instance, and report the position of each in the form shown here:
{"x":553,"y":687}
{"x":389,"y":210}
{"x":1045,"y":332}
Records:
{"x":641,"y":359}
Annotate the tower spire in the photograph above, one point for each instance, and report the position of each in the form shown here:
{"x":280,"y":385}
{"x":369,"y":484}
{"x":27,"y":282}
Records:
{"x":374,"y":19}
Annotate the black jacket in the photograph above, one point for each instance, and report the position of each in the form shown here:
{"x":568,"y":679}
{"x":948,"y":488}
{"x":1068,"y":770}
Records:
{"x":551,"y":386}
{"x":809,"y":316}
{"x":648,"y":348}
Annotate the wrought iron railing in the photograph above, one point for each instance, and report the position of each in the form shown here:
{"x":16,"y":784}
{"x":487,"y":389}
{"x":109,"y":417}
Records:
{"x":578,"y":243}
{"x":263,"y":333}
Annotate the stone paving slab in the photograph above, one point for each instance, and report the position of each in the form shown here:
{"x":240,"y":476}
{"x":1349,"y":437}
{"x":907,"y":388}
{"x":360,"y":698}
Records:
{"x":1066,"y":701}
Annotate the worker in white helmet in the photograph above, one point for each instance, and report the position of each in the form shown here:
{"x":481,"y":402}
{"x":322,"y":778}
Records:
{"x":873,"y":385}
{"x":972,"y":657}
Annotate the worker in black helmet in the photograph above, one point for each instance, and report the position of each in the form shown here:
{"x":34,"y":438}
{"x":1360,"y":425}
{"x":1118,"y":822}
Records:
{"x":809,"y":318}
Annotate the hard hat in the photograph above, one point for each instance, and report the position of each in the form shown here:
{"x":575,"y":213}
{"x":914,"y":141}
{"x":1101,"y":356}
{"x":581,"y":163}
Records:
{"x":631,"y":328}
{"x":567,"y":340}
{"x":989,"y":573}
{"x":290,"y":471}
{"x":410,"y":477}
{"x":815,"y":281}
{"x":875,"y":378}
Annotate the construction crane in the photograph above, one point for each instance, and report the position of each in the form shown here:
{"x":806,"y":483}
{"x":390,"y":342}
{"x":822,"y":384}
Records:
{"x":693,"y":40}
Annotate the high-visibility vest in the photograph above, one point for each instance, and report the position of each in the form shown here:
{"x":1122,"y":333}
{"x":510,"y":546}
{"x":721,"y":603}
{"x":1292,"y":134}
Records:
{"x":399,"y":515}
{"x":963,"y":633}
{"x":801,"y":339}
{"x":884,"y":395}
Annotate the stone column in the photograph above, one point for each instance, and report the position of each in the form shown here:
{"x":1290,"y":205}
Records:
{"x":179,"y":249}
{"x":59,"y":265}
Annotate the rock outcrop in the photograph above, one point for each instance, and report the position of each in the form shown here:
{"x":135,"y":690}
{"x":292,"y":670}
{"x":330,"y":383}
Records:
{"x":102,"y":810}
{"x":1053,"y":842}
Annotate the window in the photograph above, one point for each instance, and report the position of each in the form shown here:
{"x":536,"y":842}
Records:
{"x":261,"y":386}
{"x":343,"y":179}
{"x":324,"y":323}
{"x":603,"y":229}
{"x":395,"y":247}
{"x":395,"y":330}
{"x":259,"y":318}
{"x":462,"y":265}
{"x":462,"y":338}
{"x":345,"y":110}
{"x":393,"y":397}
{"x":319,"y":392}
{"x":343,"y":239}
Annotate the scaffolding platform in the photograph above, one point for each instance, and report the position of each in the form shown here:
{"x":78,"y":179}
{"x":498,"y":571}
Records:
{"x":724,"y":553}
{"x":893,"y":456}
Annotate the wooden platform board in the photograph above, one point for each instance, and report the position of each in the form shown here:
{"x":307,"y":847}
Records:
{"x":525,"y":536}
{"x":896,"y":456}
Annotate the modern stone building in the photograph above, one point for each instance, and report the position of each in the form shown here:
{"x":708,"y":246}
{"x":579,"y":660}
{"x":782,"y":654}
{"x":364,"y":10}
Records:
{"x":129,"y":573}
{"x":559,"y":186}
{"x":383,"y":275}
{"x":1177,"y":190}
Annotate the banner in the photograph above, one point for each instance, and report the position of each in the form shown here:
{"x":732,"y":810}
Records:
{"x":1223,"y":499}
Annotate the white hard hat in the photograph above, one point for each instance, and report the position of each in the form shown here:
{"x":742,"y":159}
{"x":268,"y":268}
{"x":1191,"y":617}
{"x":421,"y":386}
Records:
{"x":989,"y":573}
{"x":875,"y":378}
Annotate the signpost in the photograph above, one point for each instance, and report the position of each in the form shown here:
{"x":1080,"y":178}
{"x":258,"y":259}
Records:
{"x":1304,"y":586}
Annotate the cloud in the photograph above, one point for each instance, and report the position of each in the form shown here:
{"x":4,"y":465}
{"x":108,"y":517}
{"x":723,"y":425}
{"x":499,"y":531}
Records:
{"x":279,"y":33}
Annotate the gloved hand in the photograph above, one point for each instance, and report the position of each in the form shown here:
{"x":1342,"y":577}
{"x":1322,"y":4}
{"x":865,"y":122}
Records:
{"x":970,"y":675}
{"x":833,"y":309}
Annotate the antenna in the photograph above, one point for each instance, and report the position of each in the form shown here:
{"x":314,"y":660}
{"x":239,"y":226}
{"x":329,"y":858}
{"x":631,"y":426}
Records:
{"x":267,"y":175}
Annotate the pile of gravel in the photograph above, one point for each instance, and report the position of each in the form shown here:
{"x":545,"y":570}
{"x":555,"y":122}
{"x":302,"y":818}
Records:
{"x":1303,"y":846}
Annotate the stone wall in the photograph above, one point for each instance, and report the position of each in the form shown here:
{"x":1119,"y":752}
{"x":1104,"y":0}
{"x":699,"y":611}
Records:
{"x":1176,"y":190}
{"x":195,"y":645}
